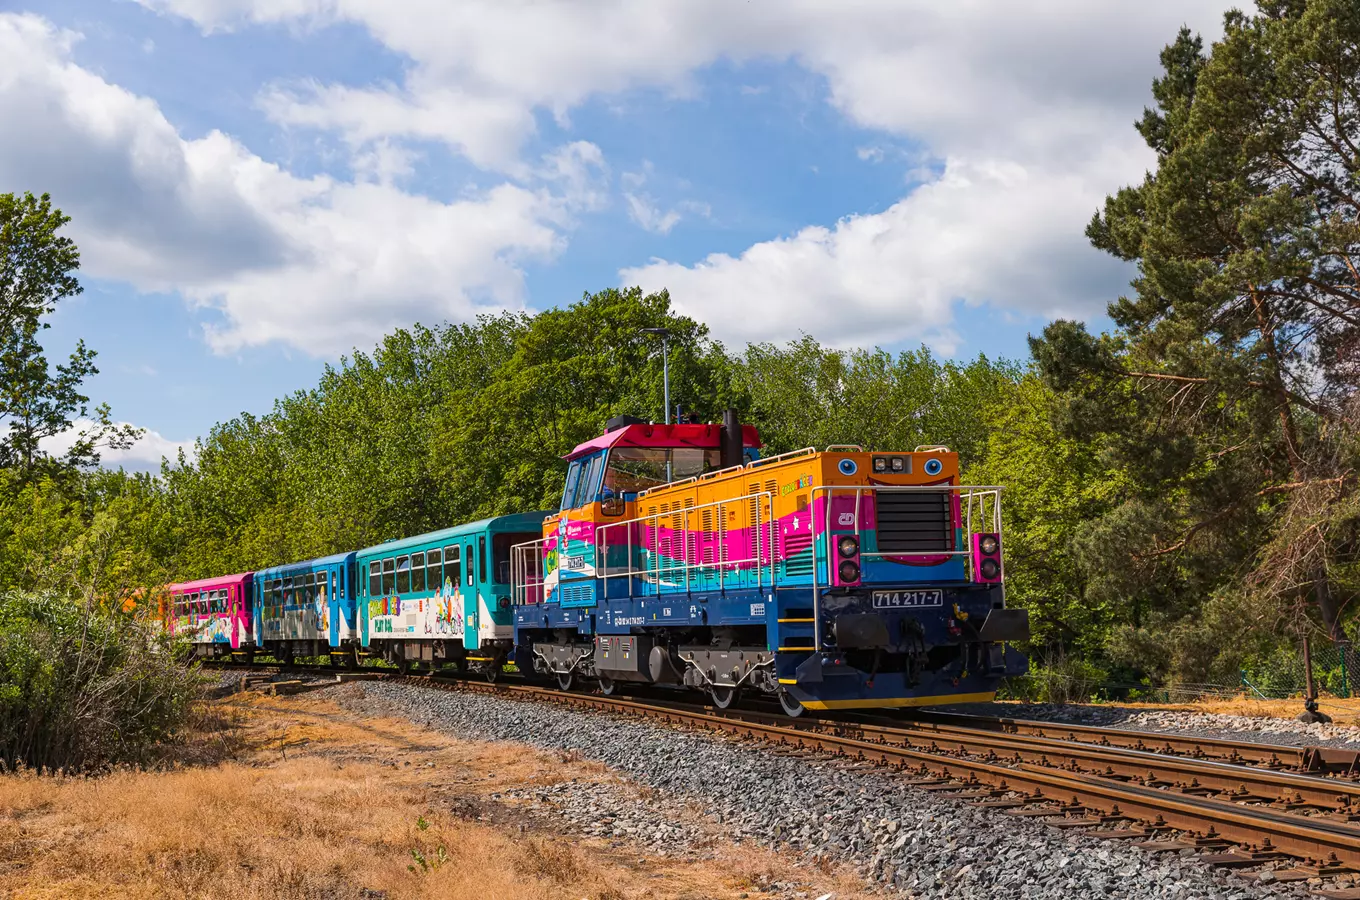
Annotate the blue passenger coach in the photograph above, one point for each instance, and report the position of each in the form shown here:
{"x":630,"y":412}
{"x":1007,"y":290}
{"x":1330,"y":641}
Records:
{"x":443,"y":598}
{"x":307,"y":609}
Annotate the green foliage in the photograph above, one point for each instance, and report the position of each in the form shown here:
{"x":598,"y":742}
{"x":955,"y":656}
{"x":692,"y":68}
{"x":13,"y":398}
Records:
{"x":83,"y":687}
{"x":37,"y":269}
{"x":1225,"y":399}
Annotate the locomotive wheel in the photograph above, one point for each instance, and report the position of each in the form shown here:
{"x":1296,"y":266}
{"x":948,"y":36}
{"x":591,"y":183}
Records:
{"x":564,"y":680}
{"x":724,"y":695}
{"x":608,"y":686}
{"x":791,"y":706}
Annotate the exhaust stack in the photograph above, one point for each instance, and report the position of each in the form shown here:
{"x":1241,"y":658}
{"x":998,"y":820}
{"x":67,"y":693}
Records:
{"x":731,"y":445}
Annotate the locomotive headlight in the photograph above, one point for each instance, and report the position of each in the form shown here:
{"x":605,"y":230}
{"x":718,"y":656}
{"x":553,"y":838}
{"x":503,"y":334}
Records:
{"x":990,"y":568}
{"x":849,"y":570}
{"x":898,"y":464}
{"x":848,"y":546}
{"x":988,"y":544}
{"x":503,"y":603}
{"x":880,"y":464}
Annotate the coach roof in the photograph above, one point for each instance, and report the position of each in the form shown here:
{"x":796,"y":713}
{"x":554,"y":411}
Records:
{"x":332,"y":560}
{"x":530,"y":521}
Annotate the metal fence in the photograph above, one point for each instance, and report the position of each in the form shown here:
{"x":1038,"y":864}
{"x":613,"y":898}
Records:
{"x":1336,"y":671}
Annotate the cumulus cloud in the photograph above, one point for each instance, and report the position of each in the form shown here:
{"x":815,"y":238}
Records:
{"x":143,"y":456}
{"x":318,"y":263}
{"x":898,"y":275}
{"x":1025,"y":106}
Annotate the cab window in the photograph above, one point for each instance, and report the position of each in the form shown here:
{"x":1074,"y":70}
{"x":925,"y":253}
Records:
{"x":573,"y":479}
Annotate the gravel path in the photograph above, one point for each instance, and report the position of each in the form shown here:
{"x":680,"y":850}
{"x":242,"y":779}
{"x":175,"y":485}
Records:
{"x":1258,"y":729}
{"x":910,"y":842}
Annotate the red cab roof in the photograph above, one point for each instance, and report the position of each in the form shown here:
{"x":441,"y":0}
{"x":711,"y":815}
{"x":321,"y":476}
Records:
{"x":708,"y":437}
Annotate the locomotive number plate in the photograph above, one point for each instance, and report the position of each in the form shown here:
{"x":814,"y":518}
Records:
{"x":907,"y":599}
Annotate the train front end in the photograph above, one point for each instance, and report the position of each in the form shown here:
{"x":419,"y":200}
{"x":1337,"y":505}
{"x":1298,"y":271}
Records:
{"x":905,"y":601}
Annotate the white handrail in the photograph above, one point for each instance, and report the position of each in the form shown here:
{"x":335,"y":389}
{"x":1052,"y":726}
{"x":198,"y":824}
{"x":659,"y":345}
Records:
{"x":764,"y":545}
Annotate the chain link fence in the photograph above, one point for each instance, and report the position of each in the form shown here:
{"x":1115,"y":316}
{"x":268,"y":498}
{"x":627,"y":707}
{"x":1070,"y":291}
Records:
{"x":1336,"y":671}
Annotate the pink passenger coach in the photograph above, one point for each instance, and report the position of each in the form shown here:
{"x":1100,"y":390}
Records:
{"x":214,"y":613}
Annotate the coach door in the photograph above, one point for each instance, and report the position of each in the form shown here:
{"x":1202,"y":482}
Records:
{"x":470,"y":575}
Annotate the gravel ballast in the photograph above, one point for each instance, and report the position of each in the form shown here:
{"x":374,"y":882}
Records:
{"x":910,"y":842}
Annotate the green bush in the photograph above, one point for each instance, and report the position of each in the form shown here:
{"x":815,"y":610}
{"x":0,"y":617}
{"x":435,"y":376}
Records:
{"x":82,"y":688}
{"x":1062,"y":680}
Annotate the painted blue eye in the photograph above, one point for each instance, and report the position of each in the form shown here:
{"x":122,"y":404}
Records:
{"x":847,"y":467}
{"x":933,"y":466}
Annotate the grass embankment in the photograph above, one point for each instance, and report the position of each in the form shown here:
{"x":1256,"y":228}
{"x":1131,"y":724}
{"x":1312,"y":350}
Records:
{"x":319,"y":802}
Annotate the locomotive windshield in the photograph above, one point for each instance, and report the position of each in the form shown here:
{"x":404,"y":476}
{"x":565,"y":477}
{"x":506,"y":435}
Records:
{"x":633,"y":469}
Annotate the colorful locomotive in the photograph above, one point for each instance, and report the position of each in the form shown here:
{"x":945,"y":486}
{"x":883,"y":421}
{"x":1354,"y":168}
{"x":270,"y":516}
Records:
{"x":831,"y":579}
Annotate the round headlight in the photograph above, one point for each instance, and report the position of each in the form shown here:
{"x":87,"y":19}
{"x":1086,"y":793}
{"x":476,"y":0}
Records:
{"x":503,"y":603}
{"x":934,"y":466}
{"x":988,"y":544}
{"x":848,"y":546}
{"x":849,"y":570}
{"x":990,"y":568}
{"x":847,"y":467}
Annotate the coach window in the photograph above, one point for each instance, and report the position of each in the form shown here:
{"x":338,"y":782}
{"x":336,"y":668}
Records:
{"x":403,"y":574}
{"x":278,"y":592}
{"x":375,"y":579}
{"x":417,"y":573}
{"x":453,"y":565}
{"x":481,"y":557}
{"x":389,"y":576}
{"x":434,"y":560}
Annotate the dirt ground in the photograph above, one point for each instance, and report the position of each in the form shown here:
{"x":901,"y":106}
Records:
{"x":306,"y":800}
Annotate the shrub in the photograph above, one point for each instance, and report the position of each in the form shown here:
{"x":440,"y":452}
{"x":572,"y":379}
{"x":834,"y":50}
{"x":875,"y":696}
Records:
{"x":82,"y":687}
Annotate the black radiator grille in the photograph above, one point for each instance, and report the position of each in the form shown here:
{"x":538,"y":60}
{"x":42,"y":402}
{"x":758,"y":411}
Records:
{"x":914,"y":522}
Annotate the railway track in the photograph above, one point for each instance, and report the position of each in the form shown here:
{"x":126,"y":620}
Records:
{"x":1292,"y":811}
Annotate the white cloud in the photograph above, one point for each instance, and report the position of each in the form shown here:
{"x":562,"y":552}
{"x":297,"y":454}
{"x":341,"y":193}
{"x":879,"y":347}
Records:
{"x":897,"y":275}
{"x":1027,"y":106}
{"x":318,"y":263}
{"x":143,"y":456}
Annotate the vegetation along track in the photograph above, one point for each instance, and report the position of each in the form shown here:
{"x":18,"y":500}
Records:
{"x":1238,"y":803}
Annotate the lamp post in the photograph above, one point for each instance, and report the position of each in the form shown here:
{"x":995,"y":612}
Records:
{"x":665,"y":334}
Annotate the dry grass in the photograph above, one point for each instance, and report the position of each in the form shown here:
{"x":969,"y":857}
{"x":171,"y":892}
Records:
{"x":320,"y":803}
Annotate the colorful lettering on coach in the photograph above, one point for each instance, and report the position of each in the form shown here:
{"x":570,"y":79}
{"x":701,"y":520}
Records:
{"x":829,"y":578}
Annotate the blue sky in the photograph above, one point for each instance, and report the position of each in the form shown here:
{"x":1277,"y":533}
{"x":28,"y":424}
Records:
{"x":259,"y":186}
